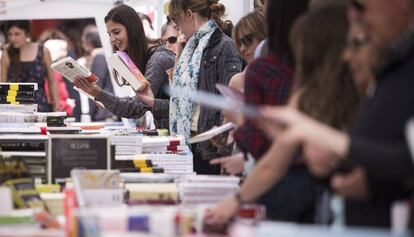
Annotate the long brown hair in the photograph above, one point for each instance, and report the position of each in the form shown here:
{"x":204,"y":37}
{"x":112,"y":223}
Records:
{"x":14,"y":53}
{"x":137,"y":48}
{"x":210,"y":9}
{"x":253,"y":23}
{"x":326,"y":91}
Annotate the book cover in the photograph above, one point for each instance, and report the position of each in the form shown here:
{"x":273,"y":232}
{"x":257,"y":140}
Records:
{"x":17,"y":98}
{"x":118,"y":65}
{"x":132,"y":67}
{"x":24,"y":108}
{"x":21,"y":86}
{"x":212,"y":133}
{"x":71,"y":69}
{"x":17,"y":93}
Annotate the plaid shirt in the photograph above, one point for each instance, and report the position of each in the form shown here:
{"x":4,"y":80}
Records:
{"x":268,"y":81}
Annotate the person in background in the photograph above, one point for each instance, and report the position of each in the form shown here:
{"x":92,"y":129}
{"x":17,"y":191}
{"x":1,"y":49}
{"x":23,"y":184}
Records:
{"x":58,"y":50}
{"x":247,"y":34}
{"x":359,"y":56}
{"x":169,"y":34}
{"x":377,"y":141}
{"x":25,"y":61}
{"x":319,"y":79}
{"x":147,"y":24}
{"x":228,"y":28}
{"x":208,"y":58}
{"x":96,"y":63}
{"x":152,"y":59}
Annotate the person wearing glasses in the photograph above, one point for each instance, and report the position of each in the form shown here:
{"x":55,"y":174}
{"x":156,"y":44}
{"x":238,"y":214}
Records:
{"x":207,"y":58}
{"x":247,"y":34}
{"x":126,"y":33}
{"x":169,"y":34}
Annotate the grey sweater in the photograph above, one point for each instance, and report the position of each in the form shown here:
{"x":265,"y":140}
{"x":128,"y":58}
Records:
{"x":160,"y":60}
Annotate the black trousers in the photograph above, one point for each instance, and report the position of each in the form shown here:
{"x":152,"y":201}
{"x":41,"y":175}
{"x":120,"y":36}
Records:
{"x":202,"y":166}
{"x":293,"y":198}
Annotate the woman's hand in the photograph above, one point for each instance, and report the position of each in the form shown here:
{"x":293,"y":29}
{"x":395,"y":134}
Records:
{"x":223,"y":212}
{"x":181,"y":42}
{"x":352,"y":185}
{"x":323,"y":147}
{"x":146,"y":96}
{"x":230,"y":164}
{"x":91,"y":88}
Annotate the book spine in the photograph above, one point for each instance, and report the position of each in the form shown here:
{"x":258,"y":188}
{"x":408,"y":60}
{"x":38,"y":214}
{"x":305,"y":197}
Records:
{"x":16,"y":87}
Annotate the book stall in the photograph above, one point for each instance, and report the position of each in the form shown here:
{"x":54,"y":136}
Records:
{"x":95,"y":179}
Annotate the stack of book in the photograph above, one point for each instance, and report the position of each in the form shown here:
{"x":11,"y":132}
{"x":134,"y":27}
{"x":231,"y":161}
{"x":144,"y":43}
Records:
{"x":18,"y":93}
{"x":164,"y":144}
{"x":206,"y":189}
{"x":159,"y":154}
{"x":15,"y":97}
{"x":127,"y":145}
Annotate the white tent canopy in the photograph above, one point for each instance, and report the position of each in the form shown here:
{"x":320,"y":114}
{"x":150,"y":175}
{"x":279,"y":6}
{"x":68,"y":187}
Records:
{"x":97,"y":9}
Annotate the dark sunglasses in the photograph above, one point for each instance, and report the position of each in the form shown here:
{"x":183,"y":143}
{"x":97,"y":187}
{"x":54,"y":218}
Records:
{"x":172,"y":40}
{"x":358,"y":4}
{"x":247,"y":40}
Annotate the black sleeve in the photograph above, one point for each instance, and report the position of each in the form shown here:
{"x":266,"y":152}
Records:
{"x":125,"y":107}
{"x":389,"y":166}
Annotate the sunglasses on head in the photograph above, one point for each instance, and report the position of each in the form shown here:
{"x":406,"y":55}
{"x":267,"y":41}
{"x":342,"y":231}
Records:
{"x":358,"y":4}
{"x":247,"y":40}
{"x":172,"y":40}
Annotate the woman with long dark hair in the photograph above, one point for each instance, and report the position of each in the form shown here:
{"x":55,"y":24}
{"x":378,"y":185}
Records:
{"x":26,"y":61}
{"x":127,"y":34}
{"x":319,"y":81}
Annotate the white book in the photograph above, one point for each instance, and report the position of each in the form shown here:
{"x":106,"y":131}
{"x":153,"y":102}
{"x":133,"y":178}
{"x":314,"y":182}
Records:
{"x":127,"y":71}
{"x":22,"y":108}
{"x":70,"y":69}
{"x":212,"y":133}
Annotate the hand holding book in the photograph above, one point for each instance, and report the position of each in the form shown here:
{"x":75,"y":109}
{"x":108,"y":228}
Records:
{"x":71,"y":69}
{"x":87,"y":86}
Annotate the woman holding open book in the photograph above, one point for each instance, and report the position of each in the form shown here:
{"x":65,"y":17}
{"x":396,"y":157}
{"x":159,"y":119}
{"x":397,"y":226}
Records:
{"x":127,"y":34}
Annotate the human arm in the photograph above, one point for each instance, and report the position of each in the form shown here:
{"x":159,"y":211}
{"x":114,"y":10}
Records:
{"x":4,"y":65}
{"x":53,"y":89}
{"x":126,"y":107}
{"x":268,"y":171}
{"x":265,"y":83}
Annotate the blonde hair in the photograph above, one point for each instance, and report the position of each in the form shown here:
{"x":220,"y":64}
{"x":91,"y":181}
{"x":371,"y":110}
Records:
{"x":253,"y":23}
{"x":210,"y":9}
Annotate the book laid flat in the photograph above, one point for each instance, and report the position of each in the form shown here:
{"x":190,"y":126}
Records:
{"x":122,"y":63}
{"x":20,"y":99}
{"x":212,"y":133}
{"x":24,"y":108}
{"x":71,"y":69}
{"x":20,"y":86}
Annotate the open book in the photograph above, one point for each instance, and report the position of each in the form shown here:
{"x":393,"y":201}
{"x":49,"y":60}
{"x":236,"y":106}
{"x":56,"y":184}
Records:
{"x":230,"y":93}
{"x":70,"y":69}
{"x":212,"y":133}
{"x":215,"y":101}
{"x":122,"y":63}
